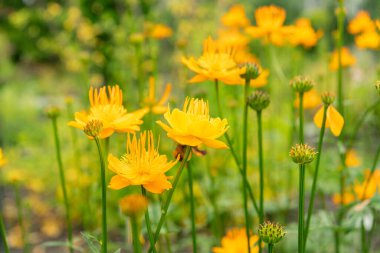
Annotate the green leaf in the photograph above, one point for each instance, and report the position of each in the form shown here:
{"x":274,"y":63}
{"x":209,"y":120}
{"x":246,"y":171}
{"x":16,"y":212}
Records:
{"x":92,"y":242}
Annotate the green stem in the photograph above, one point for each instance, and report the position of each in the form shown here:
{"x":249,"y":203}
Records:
{"x":148,"y":223}
{"x":104,"y":195}
{"x":339,"y":47}
{"x":301,"y":135}
{"x":233,"y":152}
{"x":63,"y":183}
{"x":192,"y":208}
{"x":135,"y":235}
{"x":301,"y":209}
{"x":20,"y":217}
{"x":270,"y":248}
{"x":363,"y":237}
{"x":261,"y":169}
{"x":165,"y":207}
{"x":3,"y":235}
{"x":315,"y":177}
{"x":245,"y":180}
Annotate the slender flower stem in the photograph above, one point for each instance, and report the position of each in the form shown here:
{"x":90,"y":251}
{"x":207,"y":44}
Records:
{"x":20,"y":217}
{"x":3,"y":235}
{"x":363,"y":237}
{"x":148,"y":223}
{"x":245,"y":180}
{"x":301,"y":135}
{"x":233,"y":152}
{"x":261,"y":168}
{"x":301,"y":209}
{"x":165,"y":207}
{"x":135,"y":235}
{"x":315,"y":177}
{"x":192,"y":208}
{"x":63,"y":183}
{"x":270,"y":248}
{"x":104,"y":195}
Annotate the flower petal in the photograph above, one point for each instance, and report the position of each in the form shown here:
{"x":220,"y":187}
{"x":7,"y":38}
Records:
{"x":118,"y":182}
{"x":336,"y":120}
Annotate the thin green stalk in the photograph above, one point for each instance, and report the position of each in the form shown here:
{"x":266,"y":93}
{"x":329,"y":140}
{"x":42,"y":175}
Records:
{"x":301,"y":135}
{"x":135,"y":235}
{"x":301,"y":209}
{"x":261,"y":169}
{"x":165,"y":207}
{"x":270,"y":248}
{"x":3,"y":235}
{"x":363,"y":237}
{"x":20,"y":217}
{"x":63,"y":183}
{"x":315,"y":177}
{"x":245,"y":180}
{"x":148,"y":223}
{"x":192,"y":208}
{"x":167,"y":237}
{"x":233,"y":152}
{"x":104,"y":195}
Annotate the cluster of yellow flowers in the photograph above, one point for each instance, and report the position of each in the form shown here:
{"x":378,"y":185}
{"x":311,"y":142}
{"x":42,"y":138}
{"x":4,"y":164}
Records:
{"x":364,"y":29}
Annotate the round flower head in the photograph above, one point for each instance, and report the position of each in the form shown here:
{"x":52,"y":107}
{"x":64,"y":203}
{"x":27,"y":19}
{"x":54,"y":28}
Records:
{"x":303,"y":34}
{"x":193,"y":126}
{"x":347,"y":59}
{"x":160,"y":31}
{"x":271,"y":233}
{"x":141,"y":165}
{"x":235,"y":241}
{"x":133,"y":205}
{"x":109,"y":109}
{"x":302,"y":153}
{"x":301,"y":84}
{"x":235,"y":17}
{"x":361,"y":23}
{"x":259,"y":100}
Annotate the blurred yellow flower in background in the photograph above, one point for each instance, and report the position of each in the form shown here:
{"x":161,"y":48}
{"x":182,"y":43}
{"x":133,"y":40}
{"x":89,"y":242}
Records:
{"x":141,"y":165}
{"x":361,"y":23}
{"x":365,"y":30}
{"x":216,"y":63}
{"x":232,"y":38}
{"x":235,"y":241}
{"x":109,"y":109}
{"x":334,"y":120}
{"x":311,"y":99}
{"x":3,"y":160}
{"x":157,"y":107}
{"x":133,"y":205}
{"x":235,"y":17}
{"x":368,"y":39}
{"x":352,"y":159}
{"x":347,"y":59}
{"x":193,"y":125}
{"x":348,"y":198}
{"x":160,"y":31}
{"x":368,"y":189}
{"x":302,"y":33}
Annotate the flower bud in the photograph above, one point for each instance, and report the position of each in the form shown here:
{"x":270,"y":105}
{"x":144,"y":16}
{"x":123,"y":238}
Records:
{"x":252,"y":71}
{"x":52,"y":112}
{"x":302,"y":153}
{"x":271,"y":233}
{"x":258,"y":100}
{"x":301,"y":84}
{"x":133,"y":205}
{"x":93,"y":128}
{"x":328,"y":98}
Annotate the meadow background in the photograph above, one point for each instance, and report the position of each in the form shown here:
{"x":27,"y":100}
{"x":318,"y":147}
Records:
{"x":53,"y":51}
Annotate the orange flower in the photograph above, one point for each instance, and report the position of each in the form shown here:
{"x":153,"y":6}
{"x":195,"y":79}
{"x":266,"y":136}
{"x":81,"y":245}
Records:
{"x":269,"y":25}
{"x":235,"y":17}
{"x":160,"y":31}
{"x":109,"y":110}
{"x":303,"y":34}
{"x":235,"y":241}
{"x":361,"y":23}
{"x":133,"y":205}
{"x":311,"y":99}
{"x":216,"y":63}
{"x":334,"y":120}
{"x":157,"y":107}
{"x":352,"y":159}
{"x":347,"y":59}
{"x":3,"y":160}
{"x":193,"y":125}
{"x":141,"y":165}
{"x":232,"y":38}
{"x":347,"y":198}
{"x":368,"y":39}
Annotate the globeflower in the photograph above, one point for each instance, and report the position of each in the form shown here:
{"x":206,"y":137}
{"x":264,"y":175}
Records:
{"x":368,"y":39}
{"x":347,"y":59}
{"x":334,"y":120}
{"x":235,"y":17}
{"x":109,"y":110}
{"x":140,"y":165}
{"x":303,"y":34}
{"x":235,"y":241}
{"x":216,"y":63}
{"x":361,"y":23}
{"x":193,"y":126}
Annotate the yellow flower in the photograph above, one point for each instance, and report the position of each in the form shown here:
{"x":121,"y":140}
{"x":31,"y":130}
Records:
{"x":352,"y":159}
{"x":3,"y":160}
{"x":368,"y":39}
{"x":347,"y":59}
{"x":311,"y":99}
{"x":109,"y":109}
{"x":373,"y":185}
{"x":235,"y":17}
{"x":141,"y":165}
{"x":303,"y":34}
{"x":193,"y":125}
{"x":133,"y":205}
{"x":232,"y":38}
{"x":361,"y":23}
{"x":334,"y":120}
{"x":157,"y":107}
{"x":235,"y":241}
{"x":160,"y":31}
{"x":217,"y":62}
{"x":269,"y":25}
{"x":347,"y":198}
{"x":378,"y":24}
